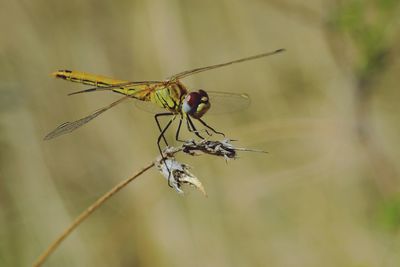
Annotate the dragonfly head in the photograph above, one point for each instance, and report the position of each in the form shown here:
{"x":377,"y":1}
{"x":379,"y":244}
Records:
{"x":196,"y":104}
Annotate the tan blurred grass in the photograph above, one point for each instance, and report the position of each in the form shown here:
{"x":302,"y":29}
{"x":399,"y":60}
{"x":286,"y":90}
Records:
{"x":315,"y":200}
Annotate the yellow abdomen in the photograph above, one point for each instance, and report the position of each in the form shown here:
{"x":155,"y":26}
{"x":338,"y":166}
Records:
{"x":86,"y":78}
{"x":164,"y":95}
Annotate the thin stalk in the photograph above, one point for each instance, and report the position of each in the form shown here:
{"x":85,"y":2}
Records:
{"x":53,"y":246}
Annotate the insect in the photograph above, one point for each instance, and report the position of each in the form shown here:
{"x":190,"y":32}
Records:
{"x":170,"y":94}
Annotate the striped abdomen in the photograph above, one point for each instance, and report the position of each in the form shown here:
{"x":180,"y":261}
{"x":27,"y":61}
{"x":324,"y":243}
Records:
{"x":86,"y":78}
{"x":166,"y":95}
{"x":100,"y":82}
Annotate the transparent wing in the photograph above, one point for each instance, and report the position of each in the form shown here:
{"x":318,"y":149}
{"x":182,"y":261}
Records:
{"x":68,"y":127}
{"x":186,"y":73}
{"x":224,"y":102}
{"x":148,"y":106}
{"x":221,"y":103}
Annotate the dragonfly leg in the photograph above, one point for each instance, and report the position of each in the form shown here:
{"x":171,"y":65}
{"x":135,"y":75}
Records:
{"x":159,"y":147}
{"x":192,"y":128}
{"x":178,"y":131}
{"x":159,"y":125}
{"x":211,"y":128}
{"x":162,"y":134}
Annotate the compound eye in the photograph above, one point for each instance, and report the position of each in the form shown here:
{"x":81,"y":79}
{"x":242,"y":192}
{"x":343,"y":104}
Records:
{"x":191,"y":102}
{"x":193,"y":99}
{"x":204,"y":95}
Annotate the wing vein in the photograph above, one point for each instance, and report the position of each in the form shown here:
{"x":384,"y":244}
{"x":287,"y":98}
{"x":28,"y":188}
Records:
{"x":68,"y":127}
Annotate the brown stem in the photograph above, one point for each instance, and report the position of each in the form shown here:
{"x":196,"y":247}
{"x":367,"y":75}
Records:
{"x":53,"y":246}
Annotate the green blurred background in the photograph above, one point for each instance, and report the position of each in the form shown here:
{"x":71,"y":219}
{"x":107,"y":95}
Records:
{"x":327,"y":110}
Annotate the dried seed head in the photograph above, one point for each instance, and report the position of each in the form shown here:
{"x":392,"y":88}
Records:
{"x":222,"y":148}
{"x":177,"y":173}
{"x":217,"y":148}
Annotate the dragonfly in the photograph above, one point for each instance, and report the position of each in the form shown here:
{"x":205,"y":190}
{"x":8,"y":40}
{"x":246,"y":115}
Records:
{"x":169,"y":94}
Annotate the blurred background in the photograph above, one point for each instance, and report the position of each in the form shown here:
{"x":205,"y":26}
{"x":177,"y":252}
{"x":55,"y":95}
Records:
{"x":327,"y":111}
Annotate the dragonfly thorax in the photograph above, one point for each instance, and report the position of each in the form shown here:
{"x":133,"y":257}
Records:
{"x":196,"y":104}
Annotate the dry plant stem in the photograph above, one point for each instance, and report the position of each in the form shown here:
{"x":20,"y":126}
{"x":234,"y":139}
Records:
{"x":50,"y":249}
{"x":180,"y":172}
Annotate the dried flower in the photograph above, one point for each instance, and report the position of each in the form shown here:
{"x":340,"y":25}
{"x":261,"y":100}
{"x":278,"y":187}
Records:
{"x":178,"y":173}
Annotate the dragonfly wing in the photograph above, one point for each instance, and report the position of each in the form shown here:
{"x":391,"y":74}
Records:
{"x":148,"y":107}
{"x":197,"y":70}
{"x":221,"y":103}
{"x":68,"y":127}
{"x":224,"y":102}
